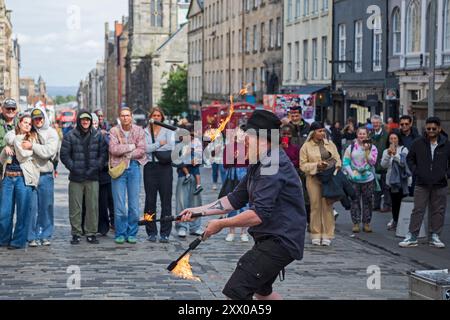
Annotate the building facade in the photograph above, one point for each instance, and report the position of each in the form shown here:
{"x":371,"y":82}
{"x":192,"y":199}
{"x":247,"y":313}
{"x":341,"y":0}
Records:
{"x":242,"y":46}
{"x":409,"y":55}
{"x":151,"y":24}
{"x":195,"y":56}
{"x":9,"y":57}
{"x":360,"y":64}
{"x":308,"y":49}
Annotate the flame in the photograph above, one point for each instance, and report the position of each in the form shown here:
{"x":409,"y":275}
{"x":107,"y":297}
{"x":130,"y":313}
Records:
{"x":149,"y":217}
{"x":184,"y":270}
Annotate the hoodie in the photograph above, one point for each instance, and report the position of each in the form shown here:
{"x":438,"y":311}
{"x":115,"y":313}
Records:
{"x":46,"y":150}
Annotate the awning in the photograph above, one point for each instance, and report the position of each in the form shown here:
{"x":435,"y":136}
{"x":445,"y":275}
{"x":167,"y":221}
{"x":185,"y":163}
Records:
{"x":310,"y":89}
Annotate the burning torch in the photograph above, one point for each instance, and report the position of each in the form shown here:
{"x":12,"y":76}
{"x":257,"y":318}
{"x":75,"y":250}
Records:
{"x":149,"y":218}
{"x":192,"y":246}
{"x":162,"y":124}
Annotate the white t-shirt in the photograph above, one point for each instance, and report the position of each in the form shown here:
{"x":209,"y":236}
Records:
{"x":433,"y":147}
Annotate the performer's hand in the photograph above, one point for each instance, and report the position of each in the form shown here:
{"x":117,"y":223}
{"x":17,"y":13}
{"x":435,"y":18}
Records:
{"x":186,"y":215}
{"x":213,"y":227}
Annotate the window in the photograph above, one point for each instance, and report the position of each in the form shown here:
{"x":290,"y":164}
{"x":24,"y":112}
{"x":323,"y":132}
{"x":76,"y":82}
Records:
{"x":247,"y":40}
{"x":413,"y":27}
{"x":324,"y":58}
{"x":377,"y":45}
{"x":240,"y":41}
{"x":254,"y":83}
{"x":263,"y":78}
{"x":289,"y":10}
{"x":306,"y":7}
{"x":271,"y":34}
{"x":262,"y":36}
{"x":315,"y":7}
{"x":279,"y":32}
{"x":297,"y":8}
{"x":297,"y":60}
{"x":342,"y":46}
{"x":396,"y":31}
{"x":305,"y":60}
{"x":324,"y":5}
{"x":447,"y":25}
{"x":156,"y":13}
{"x":358,"y":45}
{"x":289,"y":59}
{"x":314,"y":56}
{"x":255,"y":38}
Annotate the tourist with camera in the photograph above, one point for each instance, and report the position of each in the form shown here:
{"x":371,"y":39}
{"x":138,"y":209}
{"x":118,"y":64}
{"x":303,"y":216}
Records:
{"x":359,"y":163}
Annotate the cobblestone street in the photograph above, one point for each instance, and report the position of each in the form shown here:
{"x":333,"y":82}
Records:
{"x":109,"y":271}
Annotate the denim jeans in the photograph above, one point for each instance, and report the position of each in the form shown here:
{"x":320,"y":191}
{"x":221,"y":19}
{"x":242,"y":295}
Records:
{"x":41,"y":226}
{"x":129,"y":183}
{"x":185,"y":199}
{"x":216,"y":169}
{"x":15,"y":193}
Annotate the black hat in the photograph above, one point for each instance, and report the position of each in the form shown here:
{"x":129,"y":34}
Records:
{"x":10,"y":104}
{"x":263,"y":119}
{"x":316,"y":126}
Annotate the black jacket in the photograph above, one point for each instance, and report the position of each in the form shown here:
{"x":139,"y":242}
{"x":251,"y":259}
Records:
{"x":83,"y":154}
{"x":430,"y":172}
{"x":300,"y":133}
{"x":337,"y":187}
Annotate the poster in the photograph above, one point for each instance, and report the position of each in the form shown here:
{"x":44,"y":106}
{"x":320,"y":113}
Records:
{"x":280,"y":104}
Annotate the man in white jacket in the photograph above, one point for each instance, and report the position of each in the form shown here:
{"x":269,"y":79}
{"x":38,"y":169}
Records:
{"x":45,"y":153}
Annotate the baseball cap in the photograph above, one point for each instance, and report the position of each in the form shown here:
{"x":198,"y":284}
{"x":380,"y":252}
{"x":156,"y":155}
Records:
{"x":10,"y":103}
{"x":86,"y":115}
{"x":37,"y":113}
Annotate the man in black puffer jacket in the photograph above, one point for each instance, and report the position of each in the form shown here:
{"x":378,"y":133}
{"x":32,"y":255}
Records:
{"x":429,"y":160}
{"x":83,"y":152}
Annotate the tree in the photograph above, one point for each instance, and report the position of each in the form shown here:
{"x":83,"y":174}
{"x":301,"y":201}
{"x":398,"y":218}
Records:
{"x":62,"y":100}
{"x":174,"y":98}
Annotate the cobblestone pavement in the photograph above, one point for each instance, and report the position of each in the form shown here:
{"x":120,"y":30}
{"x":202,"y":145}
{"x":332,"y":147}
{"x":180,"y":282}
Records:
{"x":109,"y":271}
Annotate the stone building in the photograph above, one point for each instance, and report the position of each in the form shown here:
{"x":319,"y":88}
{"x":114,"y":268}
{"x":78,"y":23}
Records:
{"x":151,"y":24}
{"x":195,"y":56}
{"x":242,"y":45}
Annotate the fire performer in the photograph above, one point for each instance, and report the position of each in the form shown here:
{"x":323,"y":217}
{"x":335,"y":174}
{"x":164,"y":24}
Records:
{"x":276,"y":215}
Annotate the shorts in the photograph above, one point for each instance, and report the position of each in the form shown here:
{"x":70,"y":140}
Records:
{"x":195,"y":170}
{"x":257,"y":270}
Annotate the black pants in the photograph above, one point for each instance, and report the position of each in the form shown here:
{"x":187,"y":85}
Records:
{"x":105,"y":208}
{"x":158,"y":178}
{"x":396,"y":204}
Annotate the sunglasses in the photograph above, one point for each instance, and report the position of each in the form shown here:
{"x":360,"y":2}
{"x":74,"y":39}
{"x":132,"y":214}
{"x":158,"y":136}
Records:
{"x":404,"y":124}
{"x":432,"y":129}
{"x":11,"y":109}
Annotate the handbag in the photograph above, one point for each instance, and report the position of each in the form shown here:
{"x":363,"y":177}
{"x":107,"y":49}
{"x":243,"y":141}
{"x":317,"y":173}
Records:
{"x":231,"y":182}
{"x":117,"y":171}
{"x":164,"y":157}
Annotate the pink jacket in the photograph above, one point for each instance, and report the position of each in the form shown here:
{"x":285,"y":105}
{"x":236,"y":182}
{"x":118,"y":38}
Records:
{"x":131,"y":149}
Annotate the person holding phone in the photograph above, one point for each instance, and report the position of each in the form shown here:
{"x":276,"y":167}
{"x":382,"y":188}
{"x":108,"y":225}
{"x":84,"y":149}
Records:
{"x":292,"y":150}
{"x":359,"y":162}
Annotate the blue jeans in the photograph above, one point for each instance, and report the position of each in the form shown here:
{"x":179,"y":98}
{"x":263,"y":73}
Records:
{"x":216,"y":169}
{"x":240,"y":173}
{"x":41,"y":226}
{"x":129,"y":182}
{"x":15,"y":193}
{"x":185,"y":199}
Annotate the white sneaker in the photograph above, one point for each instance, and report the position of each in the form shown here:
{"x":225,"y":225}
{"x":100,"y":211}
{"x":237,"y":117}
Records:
{"x":230,"y":237}
{"x":326,"y":242}
{"x":335,"y":214}
{"x":45,"y":242}
{"x":33,"y":244}
{"x":244,"y":237}
{"x":214,"y":187}
{"x":182,"y":233}
{"x":315,"y":242}
{"x":436,"y":242}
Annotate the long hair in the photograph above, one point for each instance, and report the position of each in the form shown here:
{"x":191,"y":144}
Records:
{"x":395,"y":133}
{"x":160,"y":110}
{"x":30,"y":136}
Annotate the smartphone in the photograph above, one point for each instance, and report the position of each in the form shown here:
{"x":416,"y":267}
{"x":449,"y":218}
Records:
{"x":368,"y":141}
{"x":285,"y":140}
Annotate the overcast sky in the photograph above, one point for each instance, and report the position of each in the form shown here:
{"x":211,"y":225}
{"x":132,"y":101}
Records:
{"x":57,"y":42}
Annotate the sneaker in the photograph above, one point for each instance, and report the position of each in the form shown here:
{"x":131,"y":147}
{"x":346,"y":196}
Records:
{"x":244,"y":237}
{"x":230,"y":237}
{"x":336,"y":215}
{"x":151,"y":238}
{"x":367,"y":228}
{"x":315,"y":242}
{"x":75,"y":240}
{"x":392,"y":225}
{"x":164,"y":239}
{"x":132,"y":240}
{"x":187,"y":179}
{"x":45,"y":242}
{"x":326,"y":242}
{"x":409,"y":241}
{"x":120,"y":240}
{"x":214,"y":186}
{"x":436,"y":242}
{"x":197,"y":233}
{"x":182,"y":233}
{"x":92,"y":240}
{"x":197,"y":190}
{"x":356,"y":228}
{"x":33,"y":244}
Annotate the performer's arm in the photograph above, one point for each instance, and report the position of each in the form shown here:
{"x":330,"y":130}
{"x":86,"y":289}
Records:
{"x":218,"y":207}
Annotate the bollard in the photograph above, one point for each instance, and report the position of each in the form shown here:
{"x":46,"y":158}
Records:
{"x":405,"y":217}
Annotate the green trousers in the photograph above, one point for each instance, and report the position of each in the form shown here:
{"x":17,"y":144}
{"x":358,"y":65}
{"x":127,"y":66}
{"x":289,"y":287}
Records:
{"x":90,"y":191}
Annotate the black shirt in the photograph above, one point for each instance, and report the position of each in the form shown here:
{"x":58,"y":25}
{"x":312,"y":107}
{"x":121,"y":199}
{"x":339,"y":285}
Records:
{"x":277,"y":199}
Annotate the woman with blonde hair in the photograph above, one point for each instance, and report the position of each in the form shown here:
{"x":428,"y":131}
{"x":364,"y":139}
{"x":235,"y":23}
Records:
{"x":317,"y":155}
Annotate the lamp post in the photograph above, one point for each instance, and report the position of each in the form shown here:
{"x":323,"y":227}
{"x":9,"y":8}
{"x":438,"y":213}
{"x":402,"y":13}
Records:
{"x":432,"y":46}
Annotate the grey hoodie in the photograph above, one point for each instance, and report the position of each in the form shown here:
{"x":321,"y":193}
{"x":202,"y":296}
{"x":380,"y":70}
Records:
{"x":47,"y":148}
